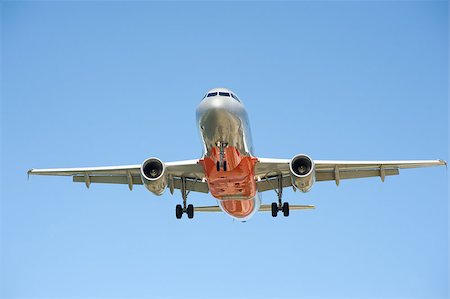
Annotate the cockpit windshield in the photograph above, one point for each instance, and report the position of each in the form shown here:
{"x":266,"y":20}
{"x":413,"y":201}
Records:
{"x":222,"y":94}
{"x":235,"y":97}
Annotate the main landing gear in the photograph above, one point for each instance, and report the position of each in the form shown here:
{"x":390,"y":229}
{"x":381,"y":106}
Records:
{"x":181,"y":209}
{"x":221,"y":163}
{"x":284,"y":207}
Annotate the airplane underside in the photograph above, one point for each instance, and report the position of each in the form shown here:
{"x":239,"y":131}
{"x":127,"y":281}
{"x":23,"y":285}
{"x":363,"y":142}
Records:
{"x":231,"y":180}
{"x":229,"y":170}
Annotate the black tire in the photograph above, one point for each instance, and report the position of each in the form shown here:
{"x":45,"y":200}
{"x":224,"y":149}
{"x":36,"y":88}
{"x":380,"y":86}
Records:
{"x":224,"y":165}
{"x":286,"y":209}
{"x":274,"y":209}
{"x":190,"y":211}
{"x":218,"y":166}
{"x":178,"y":211}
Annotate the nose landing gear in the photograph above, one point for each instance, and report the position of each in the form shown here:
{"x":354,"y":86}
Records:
{"x":221,"y":163}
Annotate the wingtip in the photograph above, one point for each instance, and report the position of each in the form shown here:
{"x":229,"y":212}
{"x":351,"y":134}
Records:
{"x":29,"y":172}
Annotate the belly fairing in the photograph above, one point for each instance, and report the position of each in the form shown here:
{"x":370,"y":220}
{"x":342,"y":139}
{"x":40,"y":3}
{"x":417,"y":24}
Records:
{"x":239,"y":179}
{"x":235,"y":188}
{"x":241,"y":209}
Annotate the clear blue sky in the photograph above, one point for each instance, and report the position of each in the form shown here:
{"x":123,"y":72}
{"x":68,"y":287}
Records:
{"x":111,"y":83}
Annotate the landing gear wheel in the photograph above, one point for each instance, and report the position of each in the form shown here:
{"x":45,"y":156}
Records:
{"x":285,"y":209}
{"x":178,"y":211}
{"x":274,"y":209}
{"x":190,"y":211}
{"x":218,"y":166}
{"x":224,"y":165}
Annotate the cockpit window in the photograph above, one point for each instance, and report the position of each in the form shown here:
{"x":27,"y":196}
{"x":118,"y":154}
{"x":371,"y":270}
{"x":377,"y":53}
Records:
{"x":235,"y":97}
{"x":224,"y":94}
{"x":212,"y":94}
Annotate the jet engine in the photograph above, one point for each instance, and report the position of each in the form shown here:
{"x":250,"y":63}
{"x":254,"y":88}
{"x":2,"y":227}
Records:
{"x":153,"y":175}
{"x":302,"y":172}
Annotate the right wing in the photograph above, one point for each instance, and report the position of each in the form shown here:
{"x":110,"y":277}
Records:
{"x":269,"y":170}
{"x":131,"y":175}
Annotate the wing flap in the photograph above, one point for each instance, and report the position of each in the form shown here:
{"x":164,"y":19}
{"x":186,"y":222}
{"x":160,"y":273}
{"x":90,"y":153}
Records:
{"x":191,"y":185}
{"x":187,"y":168}
{"x":353,"y":174}
{"x":108,"y":179}
{"x":271,"y":183}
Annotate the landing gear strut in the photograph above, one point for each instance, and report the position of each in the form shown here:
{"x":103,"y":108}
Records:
{"x":284,"y":207}
{"x":188,"y":209}
{"x":221,"y":163}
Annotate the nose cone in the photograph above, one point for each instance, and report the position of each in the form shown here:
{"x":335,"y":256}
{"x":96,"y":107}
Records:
{"x":219,"y":105}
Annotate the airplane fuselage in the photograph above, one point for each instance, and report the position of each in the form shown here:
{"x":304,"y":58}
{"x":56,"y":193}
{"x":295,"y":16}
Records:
{"x":228,"y":160}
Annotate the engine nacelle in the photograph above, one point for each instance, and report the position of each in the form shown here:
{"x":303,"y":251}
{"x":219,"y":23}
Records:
{"x":303,"y":172}
{"x":153,"y":175}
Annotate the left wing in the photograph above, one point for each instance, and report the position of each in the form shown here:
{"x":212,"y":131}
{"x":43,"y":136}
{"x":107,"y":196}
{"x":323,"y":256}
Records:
{"x":269,"y":170}
{"x":131,"y":175}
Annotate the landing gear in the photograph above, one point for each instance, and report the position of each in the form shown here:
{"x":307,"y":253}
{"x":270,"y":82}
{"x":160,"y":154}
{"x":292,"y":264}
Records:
{"x":284,"y":207}
{"x":221,"y":163}
{"x":274,"y":209}
{"x":188,"y":209}
{"x":178,"y":211}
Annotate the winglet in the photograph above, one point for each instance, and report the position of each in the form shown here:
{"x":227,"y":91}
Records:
{"x":28,"y":173}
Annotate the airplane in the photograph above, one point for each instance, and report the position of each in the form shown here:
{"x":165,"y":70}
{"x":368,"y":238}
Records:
{"x":229,"y":170}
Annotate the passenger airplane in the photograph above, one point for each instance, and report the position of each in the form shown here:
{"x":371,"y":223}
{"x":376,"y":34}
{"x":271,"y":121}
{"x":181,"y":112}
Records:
{"x":229,"y":170}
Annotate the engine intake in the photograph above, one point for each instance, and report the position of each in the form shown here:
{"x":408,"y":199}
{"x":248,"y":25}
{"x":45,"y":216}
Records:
{"x":302,"y":172}
{"x":153,"y":175}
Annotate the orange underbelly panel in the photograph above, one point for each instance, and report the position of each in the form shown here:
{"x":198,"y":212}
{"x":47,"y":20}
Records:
{"x":238,"y":208}
{"x":237,"y":182}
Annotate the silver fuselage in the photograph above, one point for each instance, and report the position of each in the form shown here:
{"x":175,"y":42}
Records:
{"x":224,"y":119}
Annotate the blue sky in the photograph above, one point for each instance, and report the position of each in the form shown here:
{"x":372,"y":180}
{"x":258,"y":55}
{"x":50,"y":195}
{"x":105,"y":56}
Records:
{"x":111,"y":83}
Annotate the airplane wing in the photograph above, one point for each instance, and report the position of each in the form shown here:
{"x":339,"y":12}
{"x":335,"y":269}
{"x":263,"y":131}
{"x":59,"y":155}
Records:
{"x":131,"y":175}
{"x":269,"y":170}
